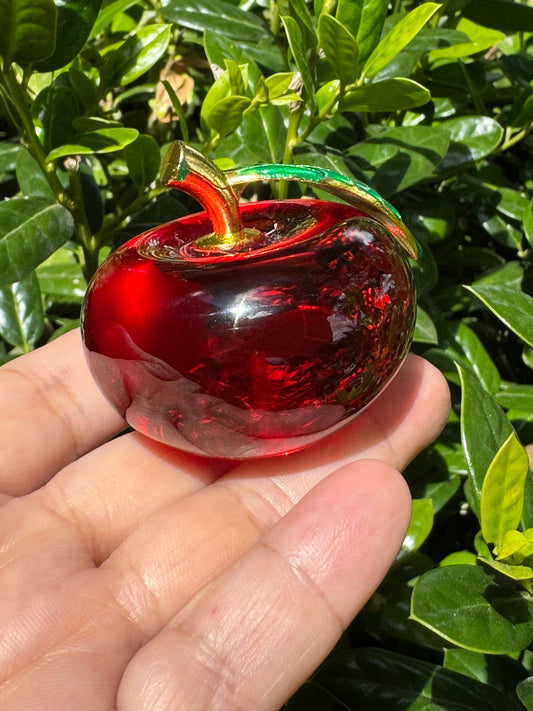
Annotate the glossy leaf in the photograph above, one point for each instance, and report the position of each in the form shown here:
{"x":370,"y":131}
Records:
{"x":340,"y":48}
{"x":425,"y":331}
{"x":504,"y":15}
{"x":106,"y":140}
{"x":108,"y":13}
{"x":484,"y":429}
{"x":143,"y":159}
{"x":30,"y":230}
{"x":471,"y":138}
{"x":480,"y":38}
{"x":527,"y":221}
{"x":524,"y":691}
{"x":27,"y":30}
{"x":371,"y":23}
{"x":219,"y":47}
{"x":518,"y":396}
{"x":510,"y":305}
{"x":21,"y":312}
{"x":348,"y":12}
{"x":62,"y":281}
{"x":30,"y":177}
{"x":399,"y":37}
{"x":380,"y":680}
{"x":387,"y":95}
{"x":468,"y":607}
{"x":419,"y":527}
{"x":400,"y":157}
{"x":216,"y":15}
{"x":501,"y":673}
{"x":467,"y":349}
{"x":502,"y":493}
{"x":136,"y":55}
{"x":294,"y":38}
{"x":75,"y":19}
{"x":226,"y":115}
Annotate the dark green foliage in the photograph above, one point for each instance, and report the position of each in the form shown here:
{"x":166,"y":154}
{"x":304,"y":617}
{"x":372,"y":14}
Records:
{"x":430,"y":104}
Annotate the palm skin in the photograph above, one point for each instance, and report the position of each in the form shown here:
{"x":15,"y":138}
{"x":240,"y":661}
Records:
{"x":135,"y":577}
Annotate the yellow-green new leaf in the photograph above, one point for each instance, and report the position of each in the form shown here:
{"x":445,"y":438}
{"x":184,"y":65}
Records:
{"x":399,"y":37}
{"x":502,"y":494}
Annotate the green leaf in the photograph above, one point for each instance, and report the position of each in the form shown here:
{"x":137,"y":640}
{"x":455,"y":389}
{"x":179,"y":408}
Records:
{"x":226,"y":115}
{"x":300,"y":12}
{"x":397,"y":158}
{"x":399,"y":37}
{"x":219,"y":16}
{"x":502,"y":493}
{"x":340,"y":48}
{"x":30,"y":177}
{"x":468,"y":606}
{"x":21,"y":313}
{"x":518,"y":396}
{"x":8,"y":156}
{"x":294,"y":37}
{"x":373,"y":16}
{"x":108,"y":13}
{"x":510,"y":305}
{"x":527,"y":222}
{"x":484,"y":428}
{"x":504,"y":15}
{"x":425,"y":331}
{"x":348,"y":13}
{"x":471,"y":138}
{"x":467,"y":350}
{"x":75,"y":19}
{"x":55,"y":108}
{"x":260,"y":138}
{"x":27,"y":30}
{"x":498,"y":672}
{"x":218,"y":48}
{"x":524,"y":691}
{"x":480,"y":39}
{"x":106,"y":140}
{"x":387,"y":95}
{"x":379,"y":680}
{"x":419,"y":527}
{"x":136,"y":55}
{"x":143,"y":159}
{"x":62,"y":281}
{"x":30,"y":230}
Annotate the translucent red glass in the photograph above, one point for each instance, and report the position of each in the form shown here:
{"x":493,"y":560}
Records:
{"x":257,"y":351}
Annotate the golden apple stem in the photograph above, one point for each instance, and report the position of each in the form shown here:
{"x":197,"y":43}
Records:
{"x":190,"y":171}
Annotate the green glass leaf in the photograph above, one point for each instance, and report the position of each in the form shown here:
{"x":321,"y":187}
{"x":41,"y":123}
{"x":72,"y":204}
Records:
{"x":143,"y":159}
{"x":398,"y":158}
{"x":419,"y":527}
{"x":484,"y":428}
{"x":380,"y":680}
{"x":524,"y":691}
{"x":399,"y":37}
{"x":510,"y":305}
{"x":502,"y":493}
{"x":30,"y":230}
{"x":387,"y":95}
{"x":106,"y":140}
{"x":480,"y":38}
{"x":75,"y":19}
{"x":471,"y":138}
{"x":340,"y":48}
{"x":294,"y":37}
{"x":21,"y":313}
{"x":136,"y":55}
{"x":30,"y":177}
{"x":504,"y":15}
{"x":425,"y":331}
{"x":27,"y":30}
{"x":469,"y":607}
{"x":373,"y":14}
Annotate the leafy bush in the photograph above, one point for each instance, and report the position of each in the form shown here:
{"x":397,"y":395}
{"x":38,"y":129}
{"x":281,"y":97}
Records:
{"x":433,"y":106}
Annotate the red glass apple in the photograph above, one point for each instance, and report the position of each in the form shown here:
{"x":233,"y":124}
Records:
{"x":252,"y":330}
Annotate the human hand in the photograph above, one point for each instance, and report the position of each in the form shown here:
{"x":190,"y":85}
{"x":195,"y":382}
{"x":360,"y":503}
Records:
{"x":135,"y":577}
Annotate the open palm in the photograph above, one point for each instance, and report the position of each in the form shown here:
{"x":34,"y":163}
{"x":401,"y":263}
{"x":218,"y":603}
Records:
{"x":135,"y":577}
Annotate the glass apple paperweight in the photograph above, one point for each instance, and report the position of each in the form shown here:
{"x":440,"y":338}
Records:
{"x":252,"y":329}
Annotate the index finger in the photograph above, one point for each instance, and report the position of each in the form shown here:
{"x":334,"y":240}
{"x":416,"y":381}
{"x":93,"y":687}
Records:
{"x":51,"y":413}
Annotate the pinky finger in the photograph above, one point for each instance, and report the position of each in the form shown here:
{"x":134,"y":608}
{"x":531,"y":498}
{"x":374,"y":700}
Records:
{"x":253,"y":636}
